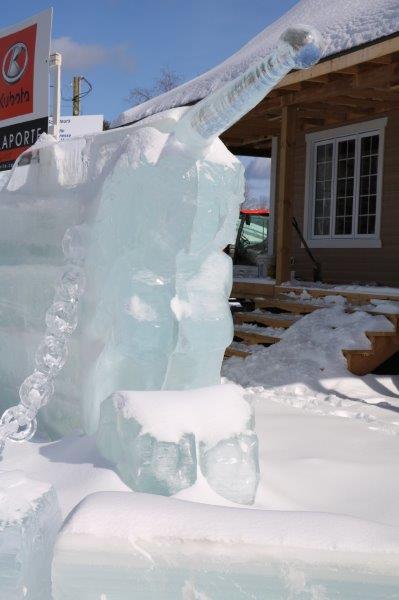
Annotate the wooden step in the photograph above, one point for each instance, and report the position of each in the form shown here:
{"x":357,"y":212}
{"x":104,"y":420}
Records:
{"x":286,"y":305}
{"x":249,"y":289}
{"x":231,"y":351}
{"x":352,"y":297}
{"x":255,"y":338}
{"x":264,"y":319}
{"x":384,"y":344}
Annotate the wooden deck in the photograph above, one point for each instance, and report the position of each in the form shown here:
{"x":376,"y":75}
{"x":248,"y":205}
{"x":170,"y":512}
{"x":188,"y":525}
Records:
{"x":273,"y":306}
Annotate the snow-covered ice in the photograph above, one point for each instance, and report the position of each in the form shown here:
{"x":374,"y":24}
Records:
{"x":311,"y":461}
{"x":156,"y":438}
{"x":155,"y":545}
{"x":29,"y":522}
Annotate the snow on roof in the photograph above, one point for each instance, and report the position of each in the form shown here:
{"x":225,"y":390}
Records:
{"x":344,"y":24}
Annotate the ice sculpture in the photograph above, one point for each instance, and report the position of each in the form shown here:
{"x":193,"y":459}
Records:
{"x":154,"y":438}
{"x":120,"y":546}
{"x":147,"y":211}
{"x":231,"y":466}
{"x":29,"y":522}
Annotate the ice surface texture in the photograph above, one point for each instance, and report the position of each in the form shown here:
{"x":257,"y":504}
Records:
{"x":154,"y":438}
{"x":121,"y":546}
{"x":231,"y":467}
{"x":29,"y":522}
{"x":155,"y":312}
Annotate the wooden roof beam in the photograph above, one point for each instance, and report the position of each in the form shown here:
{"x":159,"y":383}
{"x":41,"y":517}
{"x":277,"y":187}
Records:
{"x":380,"y":95}
{"x":358,"y":103}
{"x":320,"y":113}
{"x":314,"y":121}
{"x":345,"y":61}
{"x":381,"y":76}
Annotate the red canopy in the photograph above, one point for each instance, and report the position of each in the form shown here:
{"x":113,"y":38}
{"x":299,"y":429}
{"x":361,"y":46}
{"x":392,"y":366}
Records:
{"x":254,"y":211}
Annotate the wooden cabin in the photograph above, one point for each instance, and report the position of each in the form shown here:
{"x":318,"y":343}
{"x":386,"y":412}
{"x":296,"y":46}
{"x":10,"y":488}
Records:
{"x":333,"y":134}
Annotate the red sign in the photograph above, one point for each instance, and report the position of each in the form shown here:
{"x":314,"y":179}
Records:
{"x":24,"y":85}
{"x":17,"y":61}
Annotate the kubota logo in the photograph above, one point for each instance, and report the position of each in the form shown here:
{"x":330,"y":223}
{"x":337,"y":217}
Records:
{"x":15,"y":62}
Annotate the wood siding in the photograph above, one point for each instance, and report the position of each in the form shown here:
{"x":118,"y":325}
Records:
{"x":348,"y":265}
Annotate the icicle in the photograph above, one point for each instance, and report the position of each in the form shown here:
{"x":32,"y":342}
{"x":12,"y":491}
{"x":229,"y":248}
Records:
{"x":298,"y":48}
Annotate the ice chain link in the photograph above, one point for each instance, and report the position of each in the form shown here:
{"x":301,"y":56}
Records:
{"x":18,"y":423}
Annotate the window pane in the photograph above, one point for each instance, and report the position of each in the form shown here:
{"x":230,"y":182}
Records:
{"x":351,"y":147}
{"x":323,"y":189}
{"x":368,"y":185}
{"x":345,"y":187}
{"x":373,"y":184}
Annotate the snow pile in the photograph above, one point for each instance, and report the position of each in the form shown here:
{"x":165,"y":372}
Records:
{"x":307,"y":369}
{"x":342,"y":24}
{"x":72,"y":466}
{"x":254,"y":328}
{"x":309,"y":350}
{"x":138,"y":517}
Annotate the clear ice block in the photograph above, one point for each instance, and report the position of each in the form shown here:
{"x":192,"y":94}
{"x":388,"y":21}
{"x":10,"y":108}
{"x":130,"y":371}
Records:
{"x":120,"y":546}
{"x":145,"y":463}
{"x":29,"y":522}
{"x":152,"y":438}
{"x":231,"y":467}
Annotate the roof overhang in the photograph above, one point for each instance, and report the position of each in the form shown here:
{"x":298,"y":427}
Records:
{"x":344,"y":60}
{"x":353,"y":86}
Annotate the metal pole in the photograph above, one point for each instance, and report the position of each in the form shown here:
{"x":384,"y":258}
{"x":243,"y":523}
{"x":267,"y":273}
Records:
{"x":76,"y":96}
{"x":272,"y":204}
{"x":55,"y":63}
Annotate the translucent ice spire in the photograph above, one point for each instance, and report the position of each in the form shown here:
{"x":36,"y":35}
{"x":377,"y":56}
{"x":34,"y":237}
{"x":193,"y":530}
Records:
{"x":298,"y":48}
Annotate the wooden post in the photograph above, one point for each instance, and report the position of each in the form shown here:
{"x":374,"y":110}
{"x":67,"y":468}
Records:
{"x":76,"y":96}
{"x":284,"y":193}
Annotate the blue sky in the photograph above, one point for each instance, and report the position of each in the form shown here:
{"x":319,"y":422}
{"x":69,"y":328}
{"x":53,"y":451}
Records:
{"x":121,"y":44}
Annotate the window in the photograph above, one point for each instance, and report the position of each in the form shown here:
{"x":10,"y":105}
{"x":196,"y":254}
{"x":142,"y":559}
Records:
{"x":344,"y":173}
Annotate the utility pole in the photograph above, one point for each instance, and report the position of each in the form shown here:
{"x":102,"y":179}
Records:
{"x":76,"y":96}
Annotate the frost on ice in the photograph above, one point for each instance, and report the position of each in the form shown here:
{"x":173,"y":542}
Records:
{"x":29,"y":522}
{"x":146,"y":543}
{"x":147,"y":211}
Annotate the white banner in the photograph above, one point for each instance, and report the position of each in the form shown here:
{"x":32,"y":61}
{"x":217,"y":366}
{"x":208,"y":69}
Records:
{"x":81,"y":125}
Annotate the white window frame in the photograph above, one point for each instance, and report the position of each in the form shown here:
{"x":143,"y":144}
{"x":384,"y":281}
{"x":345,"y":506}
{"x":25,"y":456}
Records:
{"x":354,"y":240}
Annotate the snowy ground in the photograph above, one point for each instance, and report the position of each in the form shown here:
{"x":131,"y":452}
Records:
{"x":329,"y":450}
{"x":325,"y":443}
